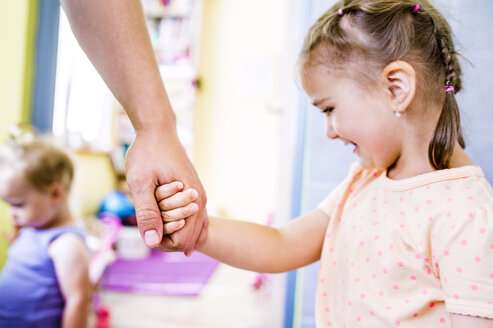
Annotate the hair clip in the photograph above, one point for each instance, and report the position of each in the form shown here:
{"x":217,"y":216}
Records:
{"x":415,"y":10}
{"x":340,"y":12}
{"x":449,"y":88}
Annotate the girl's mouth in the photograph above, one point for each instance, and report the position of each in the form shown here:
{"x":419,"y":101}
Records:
{"x":355,"y":147}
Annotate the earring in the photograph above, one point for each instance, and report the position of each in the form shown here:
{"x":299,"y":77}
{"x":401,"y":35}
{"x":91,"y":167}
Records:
{"x":397,"y":113}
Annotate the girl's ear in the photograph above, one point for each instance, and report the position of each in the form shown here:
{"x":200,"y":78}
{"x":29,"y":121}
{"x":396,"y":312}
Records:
{"x":57,"y":191}
{"x":400,"y":78}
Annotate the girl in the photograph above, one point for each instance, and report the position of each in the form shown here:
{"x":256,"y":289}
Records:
{"x":45,"y":281}
{"x":406,"y":240}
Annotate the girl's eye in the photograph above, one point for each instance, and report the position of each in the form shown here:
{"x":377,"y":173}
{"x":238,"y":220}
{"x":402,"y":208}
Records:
{"x":327,"y":110}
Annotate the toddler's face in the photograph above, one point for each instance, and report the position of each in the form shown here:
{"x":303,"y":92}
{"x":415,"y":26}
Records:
{"x":29,"y":207}
{"x":356,"y":115}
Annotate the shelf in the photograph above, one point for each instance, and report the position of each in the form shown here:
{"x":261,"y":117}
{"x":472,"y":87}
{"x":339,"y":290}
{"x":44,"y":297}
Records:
{"x":160,"y":13}
{"x":178,"y":72}
{"x":174,"y":26}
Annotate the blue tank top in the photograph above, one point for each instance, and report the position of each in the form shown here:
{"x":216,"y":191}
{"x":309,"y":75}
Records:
{"x":29,"y":291}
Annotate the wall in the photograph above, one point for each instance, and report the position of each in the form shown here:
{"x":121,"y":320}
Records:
{"x":17,"y":35}
{"x":240,"y":111}
{"x":94,"y":177}
{"x":238,"y":121}
{"x":471,"y":26}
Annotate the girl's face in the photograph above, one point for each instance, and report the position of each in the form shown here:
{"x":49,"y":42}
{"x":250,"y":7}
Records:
{"x":359,"y":116}
{"x":29,"y":207}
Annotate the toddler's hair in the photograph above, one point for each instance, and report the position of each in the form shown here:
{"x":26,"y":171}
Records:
{"x":39,"y":161}
{"x":375,"y":33}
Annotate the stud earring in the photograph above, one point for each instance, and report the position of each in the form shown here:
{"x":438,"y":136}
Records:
{"x":397,"y":113}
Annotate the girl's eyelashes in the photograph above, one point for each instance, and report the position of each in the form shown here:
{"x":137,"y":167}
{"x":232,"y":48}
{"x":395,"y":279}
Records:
{"x":16,"y":204}
{"x":327,"y":110}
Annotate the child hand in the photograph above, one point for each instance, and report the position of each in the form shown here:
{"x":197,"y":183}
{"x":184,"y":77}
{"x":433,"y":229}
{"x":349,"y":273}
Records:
{"x":175,"y":205}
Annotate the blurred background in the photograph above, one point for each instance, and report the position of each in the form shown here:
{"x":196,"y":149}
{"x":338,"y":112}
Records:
{"x":258,"y":146}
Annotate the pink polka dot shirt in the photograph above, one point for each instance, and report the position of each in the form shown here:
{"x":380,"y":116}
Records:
{"x":407,"y":253}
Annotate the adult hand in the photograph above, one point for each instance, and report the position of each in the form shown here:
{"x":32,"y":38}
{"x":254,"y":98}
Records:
{"x":156,"y":158}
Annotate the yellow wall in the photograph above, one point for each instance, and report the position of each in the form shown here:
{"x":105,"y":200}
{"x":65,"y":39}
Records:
{"x":18,"y":20}
{"x":94,"y":177}
{"x":238,"y":119}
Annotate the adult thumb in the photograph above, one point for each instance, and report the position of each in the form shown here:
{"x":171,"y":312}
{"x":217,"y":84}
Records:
{"x":148,"y":215}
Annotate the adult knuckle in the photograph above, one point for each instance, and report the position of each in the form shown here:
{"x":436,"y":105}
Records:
{"x":145,"y":215}
{"x":133,"y":179}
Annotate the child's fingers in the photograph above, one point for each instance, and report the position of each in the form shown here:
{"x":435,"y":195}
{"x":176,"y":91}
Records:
{"x":167,"y":190}
{"x":173,"y":226}
{"x":179,"y":199}
{"x":179,"y":213}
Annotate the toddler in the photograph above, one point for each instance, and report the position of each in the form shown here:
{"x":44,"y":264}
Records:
{"x":45,"y":281}
{"x":406,"y":240}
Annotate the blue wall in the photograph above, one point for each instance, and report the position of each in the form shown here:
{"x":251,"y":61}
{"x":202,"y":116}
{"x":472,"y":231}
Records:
{"x":46,"y":58}
{"x":472,"y":27}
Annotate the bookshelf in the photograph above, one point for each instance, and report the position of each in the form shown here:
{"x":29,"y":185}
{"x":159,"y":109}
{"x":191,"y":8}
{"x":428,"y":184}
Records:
{"x":174,"y":28}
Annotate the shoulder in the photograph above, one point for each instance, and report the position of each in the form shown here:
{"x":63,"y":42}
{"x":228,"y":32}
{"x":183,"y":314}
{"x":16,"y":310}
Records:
{"x":466,"y":216}
{"x":356,"y":180}
{"x":469,"y":196}
{"x":68,"y":244}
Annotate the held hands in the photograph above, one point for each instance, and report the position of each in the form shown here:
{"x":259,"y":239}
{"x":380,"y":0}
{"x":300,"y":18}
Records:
{"x":156,"y":157}
{"x":175,"y":205}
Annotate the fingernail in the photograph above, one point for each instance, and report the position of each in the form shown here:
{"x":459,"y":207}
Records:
{"x":194,"y":207}
{"x":151,"y":237}
{"x":179,"y":185}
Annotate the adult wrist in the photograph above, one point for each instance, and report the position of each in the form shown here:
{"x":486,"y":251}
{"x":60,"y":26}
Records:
{"x":153,"y":125}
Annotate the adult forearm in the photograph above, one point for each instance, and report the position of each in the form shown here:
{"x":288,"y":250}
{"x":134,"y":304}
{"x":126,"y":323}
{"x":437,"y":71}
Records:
{"x":114,"y":35}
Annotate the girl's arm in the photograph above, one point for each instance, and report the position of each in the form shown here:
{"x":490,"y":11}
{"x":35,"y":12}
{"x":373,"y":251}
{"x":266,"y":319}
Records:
{"x":71,"y":261}
{"x":249,"y":245}
{"x":261,"y":248}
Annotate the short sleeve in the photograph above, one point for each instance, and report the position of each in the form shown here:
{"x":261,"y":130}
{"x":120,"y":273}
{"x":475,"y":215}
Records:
{"x":464,"y":258}
{"x":333,"y":198}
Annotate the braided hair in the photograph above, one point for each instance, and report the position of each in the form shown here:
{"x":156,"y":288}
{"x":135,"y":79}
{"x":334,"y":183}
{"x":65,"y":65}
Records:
{"x":382,"y":31}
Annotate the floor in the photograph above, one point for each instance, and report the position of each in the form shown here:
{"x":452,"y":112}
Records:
{"x":228,"y":300}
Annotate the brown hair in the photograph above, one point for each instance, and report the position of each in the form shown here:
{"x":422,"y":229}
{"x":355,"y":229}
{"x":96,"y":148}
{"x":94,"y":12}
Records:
{"x":40,"y":162}
{"x":379,"y":32}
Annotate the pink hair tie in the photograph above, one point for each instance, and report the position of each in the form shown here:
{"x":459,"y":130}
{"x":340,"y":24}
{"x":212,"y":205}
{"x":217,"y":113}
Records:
{"x":415,"y":10}
{"x":449,"y":88}
{"x":340,"y":12}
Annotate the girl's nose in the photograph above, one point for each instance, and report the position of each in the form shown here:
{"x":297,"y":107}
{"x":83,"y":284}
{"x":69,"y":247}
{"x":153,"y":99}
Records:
{"x":13,"y":213}
{"x":330,"y":132}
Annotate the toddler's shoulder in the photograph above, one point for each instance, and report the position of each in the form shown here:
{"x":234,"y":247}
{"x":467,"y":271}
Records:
{"x":471,"y":191}
{"x":465,"y":206}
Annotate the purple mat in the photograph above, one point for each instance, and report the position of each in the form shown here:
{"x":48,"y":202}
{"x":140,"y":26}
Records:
{"x":161,"y":273}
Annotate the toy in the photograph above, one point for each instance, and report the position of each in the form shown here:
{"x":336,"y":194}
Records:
{"x":119,"y":204}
